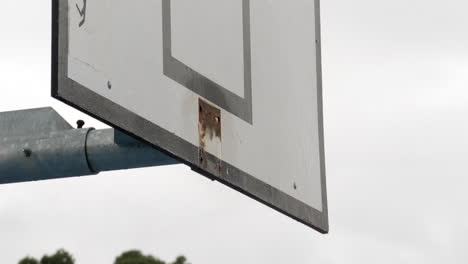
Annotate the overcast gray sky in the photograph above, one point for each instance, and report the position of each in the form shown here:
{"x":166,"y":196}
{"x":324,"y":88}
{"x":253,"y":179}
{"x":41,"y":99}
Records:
{"x":396,"y":105}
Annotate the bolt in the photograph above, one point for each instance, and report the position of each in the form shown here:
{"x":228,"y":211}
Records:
{"x":295,"y":186}
{"x":80,"y":123}
{"x":109,"y":85}
{"x":27,"y":152}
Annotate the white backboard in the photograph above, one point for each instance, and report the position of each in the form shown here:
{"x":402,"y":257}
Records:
{"x":230,"y":87}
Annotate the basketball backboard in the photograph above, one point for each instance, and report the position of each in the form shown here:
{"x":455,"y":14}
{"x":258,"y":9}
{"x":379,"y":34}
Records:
{"x":231,"y":88}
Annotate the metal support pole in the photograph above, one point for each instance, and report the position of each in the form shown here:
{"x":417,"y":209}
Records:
{"x":39,"y":145}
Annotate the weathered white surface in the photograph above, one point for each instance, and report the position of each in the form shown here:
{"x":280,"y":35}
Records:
{"x":121,"y":43}
{"x":207,"y":36}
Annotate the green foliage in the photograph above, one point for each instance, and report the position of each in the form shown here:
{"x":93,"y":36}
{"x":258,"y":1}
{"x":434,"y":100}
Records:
{"x":128,"y":257}
{"x":180,"y":260}
{"x":60,"y":257}
{"x":136,"y":257}
{"x":28,"y":260}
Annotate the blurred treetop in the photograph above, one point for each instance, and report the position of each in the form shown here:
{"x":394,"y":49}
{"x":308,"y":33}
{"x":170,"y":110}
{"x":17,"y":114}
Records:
{"x":60,"y":257}
{"x":136,"y":257}
{"x":128,"y":257}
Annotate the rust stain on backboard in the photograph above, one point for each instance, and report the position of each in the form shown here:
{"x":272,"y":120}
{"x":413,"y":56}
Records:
{"x":209,"y":132}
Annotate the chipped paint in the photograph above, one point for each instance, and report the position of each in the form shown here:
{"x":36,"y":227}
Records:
{"x":210,"y":135}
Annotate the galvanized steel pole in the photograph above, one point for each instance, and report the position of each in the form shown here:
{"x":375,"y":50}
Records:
{"x":39,"y":145}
